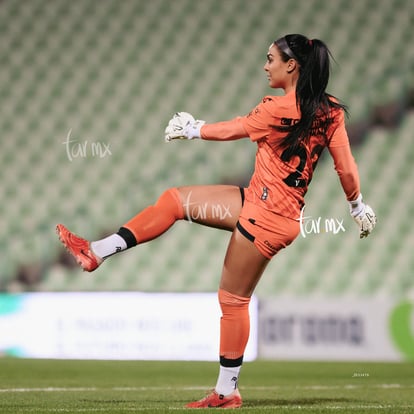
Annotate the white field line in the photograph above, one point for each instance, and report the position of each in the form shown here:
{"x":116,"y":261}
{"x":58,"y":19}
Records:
{"x":357,"y":408}
{"x":196,"y":388}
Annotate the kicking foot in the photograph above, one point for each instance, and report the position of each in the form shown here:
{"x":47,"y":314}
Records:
{"x":79,"y":248}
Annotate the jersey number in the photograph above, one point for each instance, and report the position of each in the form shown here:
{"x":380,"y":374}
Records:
{"x":295,"y":179}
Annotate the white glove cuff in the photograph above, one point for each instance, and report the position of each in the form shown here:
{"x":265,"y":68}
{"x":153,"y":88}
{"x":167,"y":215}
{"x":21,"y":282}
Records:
{"x":356,"y":206}
{"x":193,"y":130}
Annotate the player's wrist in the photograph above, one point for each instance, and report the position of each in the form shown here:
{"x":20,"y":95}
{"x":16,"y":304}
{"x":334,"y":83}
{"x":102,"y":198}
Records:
{"x":193,"y":130}
{"x":356,"y":207}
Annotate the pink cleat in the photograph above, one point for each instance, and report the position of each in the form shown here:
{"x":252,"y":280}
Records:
{"x":79,"y":248}
{"x":214,"y":400}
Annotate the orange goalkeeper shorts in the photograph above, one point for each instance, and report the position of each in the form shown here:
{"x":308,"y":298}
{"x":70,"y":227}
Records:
{"x":269,"y":232}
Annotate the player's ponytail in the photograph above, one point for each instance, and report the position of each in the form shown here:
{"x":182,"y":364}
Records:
{"x":313,"y":57}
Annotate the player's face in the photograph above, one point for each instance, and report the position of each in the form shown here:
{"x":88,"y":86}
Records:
{"x":277,"y":70}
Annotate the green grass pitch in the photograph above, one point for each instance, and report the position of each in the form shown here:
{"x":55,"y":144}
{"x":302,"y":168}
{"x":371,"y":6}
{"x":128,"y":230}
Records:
{"x":55,"y":386}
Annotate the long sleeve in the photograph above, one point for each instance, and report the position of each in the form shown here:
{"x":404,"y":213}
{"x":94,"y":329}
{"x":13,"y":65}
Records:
{"x":347,"y":170}
{"x":224,"y":131}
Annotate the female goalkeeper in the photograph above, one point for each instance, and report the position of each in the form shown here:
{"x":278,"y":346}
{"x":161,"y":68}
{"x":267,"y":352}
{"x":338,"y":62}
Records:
{"x":290,"y":131}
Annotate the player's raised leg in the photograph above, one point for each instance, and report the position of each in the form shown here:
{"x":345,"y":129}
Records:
{"x":214,"y":206}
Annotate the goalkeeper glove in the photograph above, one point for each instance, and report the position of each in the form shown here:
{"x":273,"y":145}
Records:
{"x":183,"y":126}
{"x":363,"y":215}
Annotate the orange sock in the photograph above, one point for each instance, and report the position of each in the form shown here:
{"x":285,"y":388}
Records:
{"x":234,"y":327}
{"x":157,"y":219}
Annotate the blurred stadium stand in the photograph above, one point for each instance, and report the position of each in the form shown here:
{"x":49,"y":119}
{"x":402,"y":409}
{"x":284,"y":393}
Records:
{"x":88,"y":87}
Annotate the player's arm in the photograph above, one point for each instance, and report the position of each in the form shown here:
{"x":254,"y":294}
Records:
{"x":224,"y":131}
{"x":255,"y":125}
{"x":184,"y":126}
{"x":347,"y":170}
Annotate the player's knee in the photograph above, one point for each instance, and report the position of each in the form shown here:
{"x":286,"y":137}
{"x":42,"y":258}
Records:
{"x":170,"y":200}
{"x":231,"y":303}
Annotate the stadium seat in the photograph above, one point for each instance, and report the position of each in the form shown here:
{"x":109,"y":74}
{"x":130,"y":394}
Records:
{"x":113,"y":74}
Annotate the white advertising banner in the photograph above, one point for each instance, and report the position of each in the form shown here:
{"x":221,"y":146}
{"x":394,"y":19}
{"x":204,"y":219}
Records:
{"x":146,"y":326}
{"x":166,"y":326}
{"x":336,"y":329}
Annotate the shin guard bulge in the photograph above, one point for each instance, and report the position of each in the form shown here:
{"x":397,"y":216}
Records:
{"x":157,"y":219}
{"x":234,"y":325}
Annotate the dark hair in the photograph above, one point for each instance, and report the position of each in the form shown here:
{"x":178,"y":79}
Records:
{"x":313,"y":57}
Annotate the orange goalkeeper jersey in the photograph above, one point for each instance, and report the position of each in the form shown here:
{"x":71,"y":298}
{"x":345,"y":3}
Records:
{"x":280,"y":179}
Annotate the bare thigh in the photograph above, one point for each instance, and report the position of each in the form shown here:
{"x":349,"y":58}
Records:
{"x":215,"y":206}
